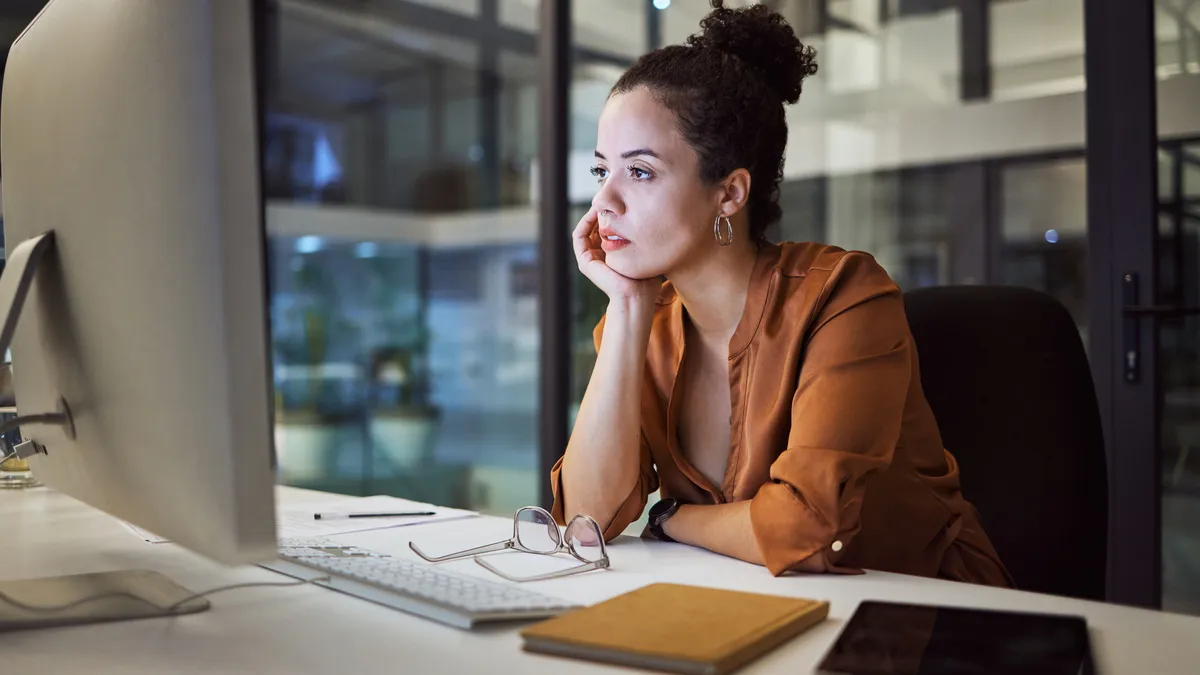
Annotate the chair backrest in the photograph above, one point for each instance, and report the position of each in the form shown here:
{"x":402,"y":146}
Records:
{"x":1007,"y":377}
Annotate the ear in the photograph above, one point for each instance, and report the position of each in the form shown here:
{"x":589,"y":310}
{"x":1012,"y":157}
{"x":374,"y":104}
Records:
{"x":734,"y":192}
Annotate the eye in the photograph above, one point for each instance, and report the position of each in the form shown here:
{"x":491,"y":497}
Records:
{"x":600,"y":173}
{"x":637,"y":173}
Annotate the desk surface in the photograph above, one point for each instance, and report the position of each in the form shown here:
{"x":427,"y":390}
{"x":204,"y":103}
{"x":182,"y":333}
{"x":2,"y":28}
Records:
{"x":296,"y":630}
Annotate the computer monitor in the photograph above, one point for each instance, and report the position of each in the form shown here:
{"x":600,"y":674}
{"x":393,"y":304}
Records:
{"x":129,"y":129}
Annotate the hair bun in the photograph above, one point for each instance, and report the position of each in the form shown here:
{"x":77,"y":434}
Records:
{"x":763,"y":40}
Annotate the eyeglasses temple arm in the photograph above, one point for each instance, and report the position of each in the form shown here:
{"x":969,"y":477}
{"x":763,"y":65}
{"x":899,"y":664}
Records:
{"x":599,"y":564}
{"x":488,"y":548}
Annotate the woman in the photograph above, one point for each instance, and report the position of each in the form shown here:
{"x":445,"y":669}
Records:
{"x":769,"y":392}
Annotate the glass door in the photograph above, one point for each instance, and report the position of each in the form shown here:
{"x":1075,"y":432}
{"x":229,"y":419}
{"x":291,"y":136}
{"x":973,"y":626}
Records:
{"x":1143,"y":217}
{"x":1177,"y":73}
{"x":1179,"y":368}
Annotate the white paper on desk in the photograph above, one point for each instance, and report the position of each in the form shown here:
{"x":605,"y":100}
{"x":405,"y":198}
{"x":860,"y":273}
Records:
{"x":145,"y":534}
{"x":298,"y":522}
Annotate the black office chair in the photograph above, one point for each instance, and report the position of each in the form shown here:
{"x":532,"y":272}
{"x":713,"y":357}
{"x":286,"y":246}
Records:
{"x":1008,"y":380}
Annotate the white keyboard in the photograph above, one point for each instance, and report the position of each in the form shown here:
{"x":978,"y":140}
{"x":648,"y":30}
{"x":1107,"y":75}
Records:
{"x":418,"y":587}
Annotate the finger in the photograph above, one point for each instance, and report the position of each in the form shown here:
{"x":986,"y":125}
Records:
{"x":606,"y":278}
{"x":597,"y":251}
{"x":580,"y":237}
{"x":591,"y":255}
{"x":597,"y":241}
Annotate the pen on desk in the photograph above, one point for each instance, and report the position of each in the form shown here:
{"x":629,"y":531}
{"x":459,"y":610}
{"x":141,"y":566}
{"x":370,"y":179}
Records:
{"x":338,"y":516}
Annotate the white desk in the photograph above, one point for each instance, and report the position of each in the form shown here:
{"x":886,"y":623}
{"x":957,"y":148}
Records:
{"x":313,"y":630}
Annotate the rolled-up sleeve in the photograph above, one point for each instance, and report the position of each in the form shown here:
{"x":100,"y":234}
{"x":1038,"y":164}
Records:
{"x":846,"y":419}
{"x":630,"y":509}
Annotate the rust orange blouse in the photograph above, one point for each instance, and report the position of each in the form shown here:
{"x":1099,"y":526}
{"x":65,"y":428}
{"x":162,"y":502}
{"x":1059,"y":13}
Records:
{"x":832,"y":440}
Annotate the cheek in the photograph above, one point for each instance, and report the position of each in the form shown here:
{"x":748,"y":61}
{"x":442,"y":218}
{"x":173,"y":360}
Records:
{"x":685,"y":221}
{"x":669,"y":216}
{"x":667,"y":226}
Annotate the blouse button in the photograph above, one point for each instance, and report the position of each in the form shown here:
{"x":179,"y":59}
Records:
{"x":837,"y":546}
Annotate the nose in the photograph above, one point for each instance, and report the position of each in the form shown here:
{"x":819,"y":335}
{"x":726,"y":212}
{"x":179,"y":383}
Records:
{"x":607,"y":200}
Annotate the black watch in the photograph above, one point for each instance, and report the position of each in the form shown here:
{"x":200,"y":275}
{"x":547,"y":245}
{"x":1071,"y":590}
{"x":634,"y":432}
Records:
{"x":659,"y":513}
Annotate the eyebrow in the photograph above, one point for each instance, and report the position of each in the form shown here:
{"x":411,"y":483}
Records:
{"x":633,"y":153}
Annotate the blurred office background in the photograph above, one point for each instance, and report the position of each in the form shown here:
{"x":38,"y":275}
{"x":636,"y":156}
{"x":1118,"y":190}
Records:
{"x":946,"y":137}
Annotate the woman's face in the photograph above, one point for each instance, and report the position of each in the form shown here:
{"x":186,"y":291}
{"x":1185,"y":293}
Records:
{"x":653,"y":209}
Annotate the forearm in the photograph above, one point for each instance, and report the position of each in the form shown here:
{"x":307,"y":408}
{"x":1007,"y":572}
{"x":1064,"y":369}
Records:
{"x":720,"y":528}
{"x":601,"y":463}
{"x":724,"y":529}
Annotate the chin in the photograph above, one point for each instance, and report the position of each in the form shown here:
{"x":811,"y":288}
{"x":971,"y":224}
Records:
{"x":628,"y":265}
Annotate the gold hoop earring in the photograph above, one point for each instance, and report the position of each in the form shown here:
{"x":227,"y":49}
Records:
{"x":724,"y":238}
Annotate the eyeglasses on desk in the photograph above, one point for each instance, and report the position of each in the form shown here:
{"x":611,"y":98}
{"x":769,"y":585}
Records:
{"x":534,"y":531}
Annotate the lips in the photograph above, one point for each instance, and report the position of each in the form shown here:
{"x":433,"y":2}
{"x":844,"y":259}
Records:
{"x":611,"y":241}
{"x":610,"y":245}
{"x":609,"y":234}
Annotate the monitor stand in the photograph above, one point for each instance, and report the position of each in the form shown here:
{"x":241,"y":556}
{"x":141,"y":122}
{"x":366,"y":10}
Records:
{"x":93,"y":598}
{"x":82,"y":598}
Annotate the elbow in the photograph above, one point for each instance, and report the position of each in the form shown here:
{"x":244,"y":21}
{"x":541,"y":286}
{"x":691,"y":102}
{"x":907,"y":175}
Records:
{"x":612,"y":515}
{"x":629,"y":510}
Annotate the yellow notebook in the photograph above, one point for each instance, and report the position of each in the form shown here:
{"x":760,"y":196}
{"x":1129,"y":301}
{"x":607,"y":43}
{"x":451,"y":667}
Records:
{"x":676,"y":628}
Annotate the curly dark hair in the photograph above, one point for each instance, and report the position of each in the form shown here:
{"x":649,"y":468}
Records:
{"x":727,"y":86}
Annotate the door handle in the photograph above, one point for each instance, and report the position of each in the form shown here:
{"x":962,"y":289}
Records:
{"x":1131,"y":350}
{"x":1131,"y":311}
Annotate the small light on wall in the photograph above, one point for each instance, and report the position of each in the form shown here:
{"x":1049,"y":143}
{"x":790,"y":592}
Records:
{"x":1052,"y":236}
{"x":662,"y":4}
{"x":308,"y":244}
{"x":366,"y":249}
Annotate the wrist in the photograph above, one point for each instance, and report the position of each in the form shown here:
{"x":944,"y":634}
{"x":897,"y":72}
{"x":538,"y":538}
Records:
{"x":628,"y":322}
{"x":671,"y":526}
{"x":634,"y":307}
{"x":661,"y":515}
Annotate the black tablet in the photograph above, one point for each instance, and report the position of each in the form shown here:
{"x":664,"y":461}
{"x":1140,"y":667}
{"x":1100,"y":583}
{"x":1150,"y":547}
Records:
{"x":885,"y":638}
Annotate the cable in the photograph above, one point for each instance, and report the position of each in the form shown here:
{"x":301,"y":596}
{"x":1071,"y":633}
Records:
{"x":169,"y":610}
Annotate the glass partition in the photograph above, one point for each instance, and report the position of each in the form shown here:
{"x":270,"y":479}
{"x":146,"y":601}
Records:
{"x":399,"y":160}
